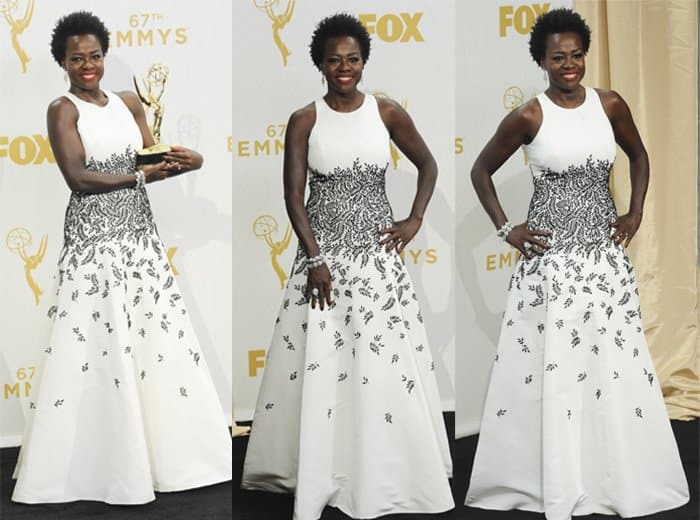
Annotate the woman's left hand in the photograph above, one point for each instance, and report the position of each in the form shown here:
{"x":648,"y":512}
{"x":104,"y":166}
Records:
{"x":626,"y":227}
{"x":181,"y":160}
{"x":400,"y":234}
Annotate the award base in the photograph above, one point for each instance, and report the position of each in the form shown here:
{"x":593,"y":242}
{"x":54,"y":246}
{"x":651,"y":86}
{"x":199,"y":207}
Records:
{"x":152,"y":155}
{"x":240,"y":431}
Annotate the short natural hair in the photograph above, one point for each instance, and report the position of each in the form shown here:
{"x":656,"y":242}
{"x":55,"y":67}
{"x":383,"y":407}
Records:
{"x":341,"y":24}
{"x":77,"y":24}
{"x":553,"y":22}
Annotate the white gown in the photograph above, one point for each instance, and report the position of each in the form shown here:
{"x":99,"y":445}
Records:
{"x":574,"y":421}
{"x":348,"y":413}
{"x":124,"y":403}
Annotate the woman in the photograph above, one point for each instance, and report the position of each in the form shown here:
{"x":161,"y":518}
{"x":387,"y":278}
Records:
{"x":125,"y":404}
{"x":574,"y":421}
{"x":349,"y":414}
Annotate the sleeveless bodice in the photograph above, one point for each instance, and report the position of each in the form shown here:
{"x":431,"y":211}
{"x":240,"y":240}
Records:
{"x":110,"y":137}
{"x":570,"y":160}
{"x":347,"y":158}
{"x":109,"y":134}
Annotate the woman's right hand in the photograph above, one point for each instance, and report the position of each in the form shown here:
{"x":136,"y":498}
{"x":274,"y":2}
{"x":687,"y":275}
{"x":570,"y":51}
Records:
{"x":319,"y":278}
{"x":520,"y":235}
{"x":155,"y":172}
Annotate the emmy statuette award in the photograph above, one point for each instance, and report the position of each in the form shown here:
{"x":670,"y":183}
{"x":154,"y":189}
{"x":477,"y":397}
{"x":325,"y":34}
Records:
{"x":151,"y":96}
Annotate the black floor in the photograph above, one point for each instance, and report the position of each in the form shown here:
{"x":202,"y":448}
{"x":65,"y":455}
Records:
{"x":258,"y":505}
{"x":208,"y":503}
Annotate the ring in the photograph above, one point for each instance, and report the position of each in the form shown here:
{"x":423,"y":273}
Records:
{"x":314,"y":292}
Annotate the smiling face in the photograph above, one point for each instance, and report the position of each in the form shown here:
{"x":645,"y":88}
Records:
{"x":564,"y":60}
{"x":342,"y":64}
{"x":84,"y":62}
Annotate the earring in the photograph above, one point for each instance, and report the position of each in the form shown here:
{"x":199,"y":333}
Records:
{"x":545,"y":77}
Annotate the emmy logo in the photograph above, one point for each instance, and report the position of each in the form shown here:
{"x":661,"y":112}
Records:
{"x":19,"y":240}
{"x":263,"y":227}
{"x":513,"y":97}
{"x":154,"y":85}
{"x":189,"y":130}
{"x":171,"y":253}
{"x":395,"y":154}
{"x":278,"y":21}
{"x":9,"y":8}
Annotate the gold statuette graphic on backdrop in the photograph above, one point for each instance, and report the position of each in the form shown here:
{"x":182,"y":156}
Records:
{"x":279,"y":20}
{"x":19,"y":239}
{"x":9,"y":10}
{"x":513,"y":97}
{"x":395,"y":154}
{"x":171,"y":253}
{"x":263,"y":227}
{"x":152,"y":97}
